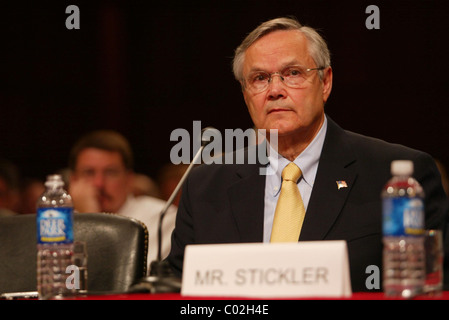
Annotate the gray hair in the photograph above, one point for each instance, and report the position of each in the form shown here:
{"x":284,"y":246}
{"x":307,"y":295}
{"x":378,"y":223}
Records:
{"x":318,"y":49}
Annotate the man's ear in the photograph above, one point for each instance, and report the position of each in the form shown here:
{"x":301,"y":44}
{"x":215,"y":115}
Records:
{"x":327,"y":83}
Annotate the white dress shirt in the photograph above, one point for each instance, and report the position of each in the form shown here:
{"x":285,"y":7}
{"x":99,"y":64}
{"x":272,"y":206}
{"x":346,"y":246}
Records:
{"x":307,"y":161}
{"x":147,"y":209}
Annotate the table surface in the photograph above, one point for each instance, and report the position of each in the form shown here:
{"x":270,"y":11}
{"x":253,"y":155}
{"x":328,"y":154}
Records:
{"x":176,"y":296}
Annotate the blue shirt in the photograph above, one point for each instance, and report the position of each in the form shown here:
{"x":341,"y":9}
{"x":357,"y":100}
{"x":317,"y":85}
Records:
{"x":307,"y":161}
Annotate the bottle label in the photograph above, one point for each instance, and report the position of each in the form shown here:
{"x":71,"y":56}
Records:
{"x":403,"y":216}
{"x":54,"y":225}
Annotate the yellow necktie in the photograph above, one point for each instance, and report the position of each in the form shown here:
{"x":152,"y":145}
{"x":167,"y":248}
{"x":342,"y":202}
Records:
{"x":290,"y":212}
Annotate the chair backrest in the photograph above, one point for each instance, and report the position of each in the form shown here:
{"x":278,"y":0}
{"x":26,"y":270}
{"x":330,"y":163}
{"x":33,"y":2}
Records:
{"x":117,"y":249}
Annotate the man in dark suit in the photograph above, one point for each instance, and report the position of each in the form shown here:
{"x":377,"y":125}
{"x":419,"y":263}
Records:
{"x":284,"y":69}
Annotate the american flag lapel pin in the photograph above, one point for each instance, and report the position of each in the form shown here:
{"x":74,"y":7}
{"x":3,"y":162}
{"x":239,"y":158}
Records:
{"x":341,"y":184}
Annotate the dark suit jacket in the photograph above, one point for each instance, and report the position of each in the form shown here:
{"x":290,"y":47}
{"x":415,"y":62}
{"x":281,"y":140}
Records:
{"x":225,"y":203}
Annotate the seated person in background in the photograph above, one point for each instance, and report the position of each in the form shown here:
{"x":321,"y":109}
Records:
{"x":9,"y":188}
{"x":145,"y":186}
{"x":30,"y":191}
{"x":101,"y":180}
{"x":286,"y":78}
{"x":168,"y":179}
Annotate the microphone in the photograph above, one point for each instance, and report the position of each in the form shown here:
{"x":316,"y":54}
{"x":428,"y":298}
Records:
{"x":161,"y":278}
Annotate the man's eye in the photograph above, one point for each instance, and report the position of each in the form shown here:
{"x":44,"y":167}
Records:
{"x":292,"y":72}
{"x":260,"y":77}
{"x":87,"y":173}
{"x":111,"y":173}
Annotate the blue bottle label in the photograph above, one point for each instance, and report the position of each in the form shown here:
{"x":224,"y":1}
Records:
{"x":403,"y":216}
{"x":54,"y":225}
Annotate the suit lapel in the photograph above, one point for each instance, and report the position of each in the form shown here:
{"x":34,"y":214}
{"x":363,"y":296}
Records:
{"x":337,"y":163}
{"x":247,"y":203}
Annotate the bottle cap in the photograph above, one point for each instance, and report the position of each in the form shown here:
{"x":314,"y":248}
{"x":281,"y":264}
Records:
{"x":54,"y":180}
{"x":402,"y":168}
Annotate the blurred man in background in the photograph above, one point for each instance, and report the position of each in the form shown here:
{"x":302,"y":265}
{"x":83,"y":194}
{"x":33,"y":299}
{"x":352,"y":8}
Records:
{"x":9,"y":188}
{"x":101,"y":180}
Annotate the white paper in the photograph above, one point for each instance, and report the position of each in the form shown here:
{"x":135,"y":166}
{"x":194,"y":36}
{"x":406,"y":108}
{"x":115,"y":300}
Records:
{"x":267,"y":270}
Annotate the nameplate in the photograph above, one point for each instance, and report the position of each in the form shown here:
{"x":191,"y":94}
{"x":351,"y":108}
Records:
{"x":267,"y":270}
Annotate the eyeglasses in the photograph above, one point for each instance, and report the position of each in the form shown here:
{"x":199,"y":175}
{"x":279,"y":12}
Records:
{"x":292,"y":77}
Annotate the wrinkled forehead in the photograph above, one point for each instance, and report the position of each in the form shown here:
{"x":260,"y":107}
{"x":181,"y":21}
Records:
{"x":277,"y":50}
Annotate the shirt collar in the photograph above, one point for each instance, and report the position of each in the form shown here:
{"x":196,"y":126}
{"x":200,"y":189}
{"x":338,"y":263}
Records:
{"x":307,"y":160}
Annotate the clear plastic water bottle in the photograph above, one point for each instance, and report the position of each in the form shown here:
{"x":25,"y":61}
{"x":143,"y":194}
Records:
{"x":54,"y":239}
{"x":403,"y":233}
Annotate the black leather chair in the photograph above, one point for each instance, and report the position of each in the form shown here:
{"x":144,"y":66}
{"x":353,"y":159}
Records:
{"x":117,"y":249}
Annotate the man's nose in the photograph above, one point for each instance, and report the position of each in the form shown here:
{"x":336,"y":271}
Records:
{"x":98,"y":180}
{"x":276,"y":88}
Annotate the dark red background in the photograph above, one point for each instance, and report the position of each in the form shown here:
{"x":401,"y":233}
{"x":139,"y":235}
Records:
{"x":146,"y":68}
